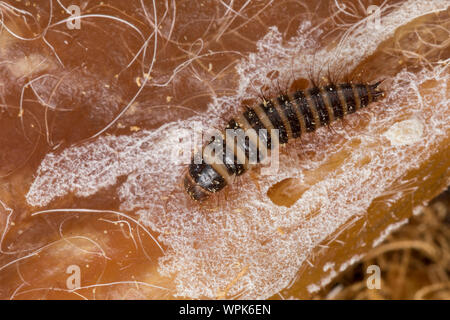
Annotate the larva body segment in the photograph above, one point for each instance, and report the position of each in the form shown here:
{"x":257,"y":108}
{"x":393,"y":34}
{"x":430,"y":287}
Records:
{"x":292,"y":115}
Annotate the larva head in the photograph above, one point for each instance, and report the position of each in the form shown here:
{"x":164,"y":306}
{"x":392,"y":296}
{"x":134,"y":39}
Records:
{"x":375,"y":91}
{"x":202,"y":180}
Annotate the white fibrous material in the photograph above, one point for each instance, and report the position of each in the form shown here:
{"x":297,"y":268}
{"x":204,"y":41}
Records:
{"x":388,"y":231}
{"x":239,"y":242}
{"x":405,"y":132}
{"x":332,"y":273}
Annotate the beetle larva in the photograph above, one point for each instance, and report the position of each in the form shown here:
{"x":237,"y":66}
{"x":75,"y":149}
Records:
{"x":292,"y":115}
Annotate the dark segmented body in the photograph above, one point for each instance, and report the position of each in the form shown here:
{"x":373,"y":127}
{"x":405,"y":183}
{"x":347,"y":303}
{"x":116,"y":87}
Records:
{"x":293,"y":115}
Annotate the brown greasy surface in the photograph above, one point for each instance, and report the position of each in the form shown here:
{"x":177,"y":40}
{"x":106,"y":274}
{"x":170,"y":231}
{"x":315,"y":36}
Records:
{"x":414,"y":261}
{"x":380,"y":217}
{"x":117,"y":256}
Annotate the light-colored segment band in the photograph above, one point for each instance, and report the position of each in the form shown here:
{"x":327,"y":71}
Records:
{"x":342,"y":100}
{"x":356,"y":97}
{"x":313,"y":109}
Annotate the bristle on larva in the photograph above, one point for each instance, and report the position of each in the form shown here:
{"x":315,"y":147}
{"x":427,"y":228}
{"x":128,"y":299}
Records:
{"x":291,"y":114}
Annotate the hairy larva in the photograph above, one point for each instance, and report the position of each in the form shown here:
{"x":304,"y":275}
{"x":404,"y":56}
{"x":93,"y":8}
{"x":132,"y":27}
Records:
{"x":292,"y":115}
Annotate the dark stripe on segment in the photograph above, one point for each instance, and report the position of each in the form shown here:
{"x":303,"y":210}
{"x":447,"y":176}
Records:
{"x":363,"y":94}
{"x":291,"y":115}
{"x":206,"y":177}
{"x":347,"y":92}
{"x":231,"y":163}
{"x":327,"y":101}
{"x":247,"y":146}
{"x":275,"y":118}
{"x":369,"y":94}
{"x":302,"y":105}
{"x":319,"y":104}
{"x":228,"y":157}
{"x":257,"y":125}
{"x":213,"y":155}
{"x":338,"y":109}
